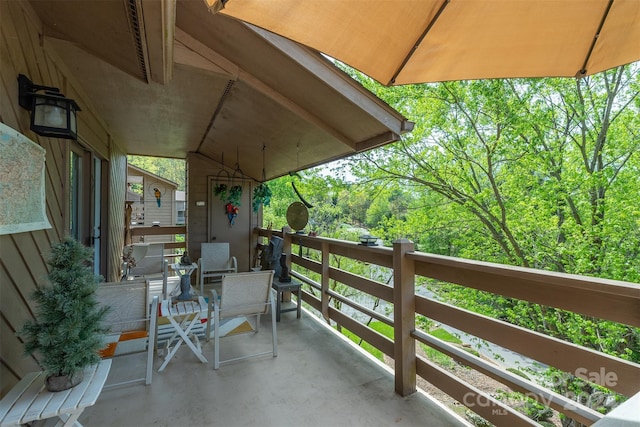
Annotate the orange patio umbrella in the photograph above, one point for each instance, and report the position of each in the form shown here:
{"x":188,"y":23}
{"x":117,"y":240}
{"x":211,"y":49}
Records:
{"x":413,"y":41}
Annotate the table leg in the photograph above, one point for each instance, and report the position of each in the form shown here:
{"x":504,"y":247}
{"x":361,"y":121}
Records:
{"x":197,"y":350}
{"x":70,"y":419}
{"x":299,"y":301}
{"x":183,"y":336}
{"x":278,"y":304}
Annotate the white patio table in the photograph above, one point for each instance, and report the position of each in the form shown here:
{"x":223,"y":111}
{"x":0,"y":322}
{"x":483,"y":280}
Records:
{"x":188,"y":313}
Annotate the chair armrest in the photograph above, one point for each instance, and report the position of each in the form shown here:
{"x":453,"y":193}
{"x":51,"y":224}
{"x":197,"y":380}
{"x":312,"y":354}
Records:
{"x":233,"y":263}
{"x":212,"y":301}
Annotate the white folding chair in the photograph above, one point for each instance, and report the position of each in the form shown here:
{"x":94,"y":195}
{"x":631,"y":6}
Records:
{"x":215,"y":261}
{"x":242,"y":295}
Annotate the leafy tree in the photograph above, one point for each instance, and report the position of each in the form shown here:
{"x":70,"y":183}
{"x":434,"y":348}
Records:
{"x":539,"y":173}
{"x":171,"y":169}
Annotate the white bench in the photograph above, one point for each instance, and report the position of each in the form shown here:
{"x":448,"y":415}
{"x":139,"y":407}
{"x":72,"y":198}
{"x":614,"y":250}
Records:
{"x":30,"y":402}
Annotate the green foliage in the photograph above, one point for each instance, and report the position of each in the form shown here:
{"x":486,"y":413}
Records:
{"x":379,"y":327}
{"x":220,"y":190}
{"x":66,"y":332}
{"x":527,"y":406}
{"x":171,"y":169}
{"x":445,"y":336}
{"x":235,"y":195}
{"x":261,"y":197}
{"x":519,"y":373}
{"x":540,"y":173}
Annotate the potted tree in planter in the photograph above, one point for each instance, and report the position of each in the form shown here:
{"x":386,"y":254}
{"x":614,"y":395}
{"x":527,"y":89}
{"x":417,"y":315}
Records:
{"x":67,"y":332}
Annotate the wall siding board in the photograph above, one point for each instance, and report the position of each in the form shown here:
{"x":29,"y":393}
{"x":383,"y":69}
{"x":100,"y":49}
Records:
{"x":15,"y":266}
{"x":30,"y":257}
{"x":23,"y":256}
{"x":9,"y":378}
{"x":117,"y":195}
{"x":15,"y":299}
{"x":16,"y":360}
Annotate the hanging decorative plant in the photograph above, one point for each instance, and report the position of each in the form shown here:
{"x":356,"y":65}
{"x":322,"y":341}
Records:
{"x":220,"y":190}
{"x":261,"y":196}
{"x":235,"y":195}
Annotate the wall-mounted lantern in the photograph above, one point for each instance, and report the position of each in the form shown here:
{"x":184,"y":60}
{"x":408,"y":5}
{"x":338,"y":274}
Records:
{"x":52,"y":114}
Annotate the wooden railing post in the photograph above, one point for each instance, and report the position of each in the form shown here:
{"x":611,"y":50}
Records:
{"x":324,"y":281}
{"x":404,"y":317}
{"x":286,"y":249}
{"x":286,"y":246}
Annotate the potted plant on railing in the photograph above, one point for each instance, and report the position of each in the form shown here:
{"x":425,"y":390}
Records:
{"x":67,"y":332}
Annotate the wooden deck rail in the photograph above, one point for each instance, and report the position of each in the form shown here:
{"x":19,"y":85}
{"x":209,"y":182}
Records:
{"x":162,"y":231}
{"x":601,"y":298}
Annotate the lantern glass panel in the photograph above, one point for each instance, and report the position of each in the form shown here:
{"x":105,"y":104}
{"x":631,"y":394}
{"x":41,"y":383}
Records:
{"x":50,"y":113}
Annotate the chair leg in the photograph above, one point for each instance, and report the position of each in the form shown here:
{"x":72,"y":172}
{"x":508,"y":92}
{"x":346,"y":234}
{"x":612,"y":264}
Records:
{"x":151,"y":344}
{"x":274,"y":333}
{"x":216,"y":339}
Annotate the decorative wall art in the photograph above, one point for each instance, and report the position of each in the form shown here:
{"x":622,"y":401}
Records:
{"x":158,"y":190}
{"x":22,"y":170}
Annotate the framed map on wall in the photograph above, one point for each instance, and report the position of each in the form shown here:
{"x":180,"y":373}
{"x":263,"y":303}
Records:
{"x":22,"y":188}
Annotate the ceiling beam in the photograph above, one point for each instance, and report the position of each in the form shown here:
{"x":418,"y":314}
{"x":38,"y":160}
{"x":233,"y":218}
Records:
{"x":287,"y":103}
{"x":192,"y":52}
{"x":339,"y":80}
{"x":168,"y":36}
{"x":158,"y":23}
{"x":377,"y":141}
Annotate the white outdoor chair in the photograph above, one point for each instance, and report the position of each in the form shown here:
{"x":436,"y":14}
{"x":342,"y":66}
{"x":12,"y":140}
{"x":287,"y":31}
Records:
{"x":242,"y":295}
{"x":215,"y":261}
{"x":152,"y":265}
{"x":132,"y":321}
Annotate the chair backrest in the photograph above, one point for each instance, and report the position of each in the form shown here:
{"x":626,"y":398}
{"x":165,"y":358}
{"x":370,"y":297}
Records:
{"x":129,"y":304}
{"x":152,"y":263}
{"x":137,"y":251}
{"x":245,"y":293}
{"x":214,"y":256}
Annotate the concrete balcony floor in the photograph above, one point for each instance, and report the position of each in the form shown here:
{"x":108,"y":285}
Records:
{"x":318,"y":379}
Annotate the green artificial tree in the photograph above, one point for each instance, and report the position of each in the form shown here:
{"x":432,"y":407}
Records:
{"x":67,"y":331}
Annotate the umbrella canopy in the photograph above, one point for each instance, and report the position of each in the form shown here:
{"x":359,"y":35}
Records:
{"x":413,"y":41}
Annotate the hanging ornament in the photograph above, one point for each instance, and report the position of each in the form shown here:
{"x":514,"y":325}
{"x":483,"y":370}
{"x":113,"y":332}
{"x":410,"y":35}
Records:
{"x":232,"y":212}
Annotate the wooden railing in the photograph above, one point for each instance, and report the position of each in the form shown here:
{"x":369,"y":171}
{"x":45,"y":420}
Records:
{"x":600,"y":298}
{"x":163,"y":231}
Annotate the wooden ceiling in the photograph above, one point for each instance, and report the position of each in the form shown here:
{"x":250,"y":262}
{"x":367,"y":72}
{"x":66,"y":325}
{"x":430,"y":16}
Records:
{"x":169,"y":78}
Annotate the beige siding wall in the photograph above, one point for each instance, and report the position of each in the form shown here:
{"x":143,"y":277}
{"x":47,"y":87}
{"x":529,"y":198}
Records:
{"x":23,"y":266}
{"x":117,"y":196}
{"x":204,"y":223}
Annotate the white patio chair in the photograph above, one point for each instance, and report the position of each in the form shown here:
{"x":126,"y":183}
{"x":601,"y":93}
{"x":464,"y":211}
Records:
{"x":215,"y":261}
{"x":152,"y":265}
{"x":242,"y":295}
{"x":132,"y":321}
